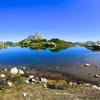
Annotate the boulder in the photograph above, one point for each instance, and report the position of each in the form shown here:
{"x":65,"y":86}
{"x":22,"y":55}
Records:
{"x":21,"y":72}
{"x":3,"y":75}
{"x":87,"y":65}
{"x":27,"y":81}
{"x":96,"y":76}
{"x":31,"y":76}
{"x":9,"y":83}
{"x":44,"y":80}
{"x":14,"y":70}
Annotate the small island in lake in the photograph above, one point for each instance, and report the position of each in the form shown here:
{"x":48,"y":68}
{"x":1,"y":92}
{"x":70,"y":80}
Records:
{"x":38,"y":42}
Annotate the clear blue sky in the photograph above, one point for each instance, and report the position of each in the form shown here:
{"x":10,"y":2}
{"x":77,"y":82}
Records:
{"x":74,"y":20}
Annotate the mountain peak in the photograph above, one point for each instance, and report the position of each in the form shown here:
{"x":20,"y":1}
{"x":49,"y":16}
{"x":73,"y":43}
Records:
{"x":37,"y":36}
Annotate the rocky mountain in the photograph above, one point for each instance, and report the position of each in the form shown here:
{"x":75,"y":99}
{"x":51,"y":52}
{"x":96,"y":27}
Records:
{"x":37,"y":36}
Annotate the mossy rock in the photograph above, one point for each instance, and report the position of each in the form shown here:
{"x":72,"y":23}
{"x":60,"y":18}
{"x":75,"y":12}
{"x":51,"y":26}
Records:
{"x":57,"y":84}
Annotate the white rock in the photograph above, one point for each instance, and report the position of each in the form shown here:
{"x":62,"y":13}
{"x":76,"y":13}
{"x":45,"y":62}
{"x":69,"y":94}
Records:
{"x":96,"y":76}
{"x":99,"y":88}
{"x":74,"y":83}
{"x":87,"y":84}
{"x":21,"y":72}
{"x":31,"y":76}
{"x":25,"y":94}
{"x":45,"y":86}
{"x":3,"y":75}
{"x":24,"y":68}
{"x":33,"y":80}
{"x":27,"y":81}
{"x":6,"y":69}
{"x":43,"y":80}
{"x":37,"y":80}
{"x":14,"y":70}
{"x":10,"y":83}
{"x":87,"y":65}
{"x":71,"y":83}
{"x":94,"y":86}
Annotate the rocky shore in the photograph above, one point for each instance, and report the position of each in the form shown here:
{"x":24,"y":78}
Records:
{"x":31,"y":84}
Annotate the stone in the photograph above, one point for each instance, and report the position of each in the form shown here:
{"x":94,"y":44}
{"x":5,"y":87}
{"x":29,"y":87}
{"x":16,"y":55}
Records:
{"x":27,"y":81}
{"x":21,"y":72}
{"x":87,"y":84}
{"x":71,"y":83}
{"x":37,"y":80}
{"x":14,"y":70}
{"x":33,"y":80}
{"x":6,"y":69}
{"x":24,"y":68}
{"x":9,"y":83}
{"x":96,"y":76}
{"x":74,"y":83}
{"x":99,"y":88}
{"x":94,"y":86}
{"x":87,"y":65}
{"x":3,"y":75}
{"x":31,"y":76}
{"x":44,"y":80}
{"x":24,"y":94}
{"x":45,"y":86}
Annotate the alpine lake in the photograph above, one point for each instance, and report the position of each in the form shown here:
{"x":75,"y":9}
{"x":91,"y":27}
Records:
{"x":46,"y":59}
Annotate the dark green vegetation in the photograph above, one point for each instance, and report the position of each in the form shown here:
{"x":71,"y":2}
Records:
{"x":7,"y":44}
{"x":95,"y":47}
{"x":2,"y":45}
{"x":38,"y":42}
{"x":90,"y":45}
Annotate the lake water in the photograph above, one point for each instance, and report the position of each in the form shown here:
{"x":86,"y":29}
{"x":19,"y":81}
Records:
{"x":70,"y":57}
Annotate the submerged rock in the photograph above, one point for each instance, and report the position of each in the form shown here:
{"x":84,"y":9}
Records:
{"x":87,"y":65}
{"x":24,"y":68}
{"x":96,"y":76}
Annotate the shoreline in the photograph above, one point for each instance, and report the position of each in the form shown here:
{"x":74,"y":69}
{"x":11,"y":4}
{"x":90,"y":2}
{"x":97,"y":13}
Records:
{"x":28,"y":83}
{"x":71,"y":74}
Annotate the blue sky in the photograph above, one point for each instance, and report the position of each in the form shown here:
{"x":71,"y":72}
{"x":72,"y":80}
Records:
{"x":71,"y":20}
